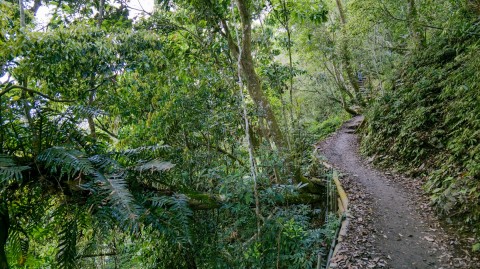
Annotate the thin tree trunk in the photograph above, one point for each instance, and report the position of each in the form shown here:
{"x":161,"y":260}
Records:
{"x":189,"y":257}
{"x":91,"y":99}
{"x":22,"y":14}
{"x":290,"y":61}
{"x":36,"y":5}
{"x":91,"y":96}
{"x":101,"y":11}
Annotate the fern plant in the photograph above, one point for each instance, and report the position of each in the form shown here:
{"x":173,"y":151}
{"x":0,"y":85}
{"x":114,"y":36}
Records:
{"x":9,"y":171}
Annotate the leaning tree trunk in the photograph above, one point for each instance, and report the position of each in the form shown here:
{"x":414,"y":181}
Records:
{"x":252,"y":80}
{"x":346,"y":56}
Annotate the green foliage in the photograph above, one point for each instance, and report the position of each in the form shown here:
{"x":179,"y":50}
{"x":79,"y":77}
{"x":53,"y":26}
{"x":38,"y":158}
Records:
{"x":9,"y":171}
{"x":476,"y":247}
{"x":427,"y":121}
{"x":87,"y":112}
{"x":67,"y":248}
{"x":323,"y":129}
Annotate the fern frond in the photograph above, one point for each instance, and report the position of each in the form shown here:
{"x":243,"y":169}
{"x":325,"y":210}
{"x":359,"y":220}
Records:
{"x":86,"y":111}
{"x":120,"y":196}
{"x":67,"y":246}
{"x":72,"y":162}
{"x":103,"y":162}
{"x":177,"y":214}
{"x":9,"y":170}
{"x":146,"y":152}
{"x":18,"y":242}
{"x":155,"y":166}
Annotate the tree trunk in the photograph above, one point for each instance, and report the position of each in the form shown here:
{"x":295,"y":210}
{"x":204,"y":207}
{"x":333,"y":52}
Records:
{"x":90,"y":101}
{"x":252,"y":80}
{"x":414,"y":28}
{"x":346,"y":56}
{"x":189,"y":257}
{"x":22,"y":14}
{"x":101,"y":11}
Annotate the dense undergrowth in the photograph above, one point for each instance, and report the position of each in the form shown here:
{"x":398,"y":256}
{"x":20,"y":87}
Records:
{"x":427,"y":121}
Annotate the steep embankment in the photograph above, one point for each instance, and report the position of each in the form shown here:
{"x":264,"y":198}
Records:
{"x":391,"y":226}
{"x":427,"y":123}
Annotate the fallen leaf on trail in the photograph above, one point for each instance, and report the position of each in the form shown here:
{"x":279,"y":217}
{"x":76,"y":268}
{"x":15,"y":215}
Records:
{"x":429,"y":239}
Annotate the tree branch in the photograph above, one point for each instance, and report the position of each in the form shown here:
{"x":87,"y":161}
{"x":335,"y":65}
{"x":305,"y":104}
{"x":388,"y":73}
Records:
{"x":103,"y":128}
{"x":97,"y":255}
{"x":384,"y":8}
{"x":9,"y":88}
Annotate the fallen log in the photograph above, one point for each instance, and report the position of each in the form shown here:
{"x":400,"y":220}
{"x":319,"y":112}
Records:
{"x":312,"y":192}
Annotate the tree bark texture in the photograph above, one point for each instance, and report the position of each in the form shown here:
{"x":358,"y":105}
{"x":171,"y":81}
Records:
{"x":252,"y":80}
{"x":346,"y":57}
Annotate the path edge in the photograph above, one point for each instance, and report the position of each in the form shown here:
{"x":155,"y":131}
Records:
{"x":343,"y":213}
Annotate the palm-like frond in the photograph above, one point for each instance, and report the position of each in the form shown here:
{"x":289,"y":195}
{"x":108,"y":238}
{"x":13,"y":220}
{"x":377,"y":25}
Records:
{"x":70,"y":161}
{"x":104,"y":162}
{"x":86,"y":111}
{"x":177,"y":214}
{"x":9,"y":170}
{"x":19,"y":242}
{"x":67,"y":246}
{"x":120,"y":197}
{"x":73,"y":162}
{"x":146,"y":152}
{"x":155,"y":166}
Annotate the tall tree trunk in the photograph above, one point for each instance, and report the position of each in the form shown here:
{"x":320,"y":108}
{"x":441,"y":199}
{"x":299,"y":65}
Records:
{"x":101,"y":11}
{"x":189,"y":257}
{"x":22,"y":14}
{"x":253,"y":165}
{"x":415,"y":29}
{"x":252,"y":80}
{"x":346,"y":56}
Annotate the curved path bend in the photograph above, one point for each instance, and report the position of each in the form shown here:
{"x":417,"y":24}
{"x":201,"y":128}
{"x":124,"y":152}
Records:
{"x":407,"y":236}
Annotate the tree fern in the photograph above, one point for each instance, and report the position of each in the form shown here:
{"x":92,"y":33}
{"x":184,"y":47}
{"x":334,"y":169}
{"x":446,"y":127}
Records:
{"x":104,"y":162}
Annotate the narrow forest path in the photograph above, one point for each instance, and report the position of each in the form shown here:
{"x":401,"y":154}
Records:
{"x":391,"y":225}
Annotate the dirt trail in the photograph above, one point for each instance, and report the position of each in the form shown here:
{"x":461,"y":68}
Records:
{"x":405,"y":235}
